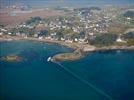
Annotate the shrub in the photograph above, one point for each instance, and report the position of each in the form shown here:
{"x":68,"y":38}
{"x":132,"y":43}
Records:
{"x":129,"y":35}
{"x":130,"y":42}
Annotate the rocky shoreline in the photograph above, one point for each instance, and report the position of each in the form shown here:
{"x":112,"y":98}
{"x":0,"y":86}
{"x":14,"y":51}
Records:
{"x":68,"y":56}
{"x":77,"y":54}
{"x":115,"y":48}
{"x":79,"y":48}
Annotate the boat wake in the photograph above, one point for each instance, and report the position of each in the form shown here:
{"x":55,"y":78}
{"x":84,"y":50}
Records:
{"x":84,"y":81}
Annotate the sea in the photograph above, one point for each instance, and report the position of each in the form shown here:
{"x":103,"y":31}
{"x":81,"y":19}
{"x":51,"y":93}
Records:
{"x":66,"y":3}
{"x":103,"y":75}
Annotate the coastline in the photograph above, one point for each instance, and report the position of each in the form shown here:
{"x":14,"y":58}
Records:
{"x":79,"y":48}
{"x":17,"y":38}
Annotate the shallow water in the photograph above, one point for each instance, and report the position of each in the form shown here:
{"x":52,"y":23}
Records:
{"x":110,"y":72}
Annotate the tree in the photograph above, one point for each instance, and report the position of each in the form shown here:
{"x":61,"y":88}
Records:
{"x":73,"y":36}
{"x":14,"y":31}
{"x":2,"y":25}
{"x":59,"y":34}
{"x":130,"y":42}
{"x":82,"y":34}
{"x":33,"y":20}
{"x":129,"y":14}
{"x":103,"y":39}
{"x":129,"y":35}
{"x":27,"y":31}
{"x":43,"y":33}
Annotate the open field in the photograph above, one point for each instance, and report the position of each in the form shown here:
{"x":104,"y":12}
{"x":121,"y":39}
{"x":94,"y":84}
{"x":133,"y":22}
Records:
{"x":9,"y":19}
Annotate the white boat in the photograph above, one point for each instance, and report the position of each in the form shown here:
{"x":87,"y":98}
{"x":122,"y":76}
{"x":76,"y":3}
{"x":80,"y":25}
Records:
{"x":49,"y":59}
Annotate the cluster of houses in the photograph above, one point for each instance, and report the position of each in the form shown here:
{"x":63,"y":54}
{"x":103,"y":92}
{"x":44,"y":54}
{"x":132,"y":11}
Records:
{"x":2,"y":31}
{"x":90,"y":21}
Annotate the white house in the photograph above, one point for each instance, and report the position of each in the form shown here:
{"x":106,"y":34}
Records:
{"x":128,"y":18}
{"x":81,"y":40}
{"x":69,"y":41}
{"x":26,"y":37}
{"x":18,"y":33}
{"x":9,"y":33}
{"x":53,"y":34}
{"x":40,"y":38}
{"x":120,"y":40}
{"x":76,"y":40}
{"x":91,"y":34}
{"x":3,"y":30}
{"x":35,"y":35}
{"x":62,"y":39}
{"x":1,"y":33}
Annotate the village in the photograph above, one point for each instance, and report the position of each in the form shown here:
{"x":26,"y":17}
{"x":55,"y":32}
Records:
{"x":79,"y":25}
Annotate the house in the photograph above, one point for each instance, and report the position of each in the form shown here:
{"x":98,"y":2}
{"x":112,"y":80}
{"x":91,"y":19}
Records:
{"x":18,"y":33}
{"x":62,"y":39}
{"x":3,"y":30}
{"x":9,"y":33}
{"x":81,"y":40}
{"x":40,"y":38}
{"x":120,"y":40}
{"x":63,"y":26}
{"x":128,"y":18}
{"x":68,"y":41}
{"x":53,"y":34}
{"x":1,"y":33}
{"x":26,"y":37}
{"x":76,"y":40}
{"x":23,"y":34}
{"x":91,"y":33}
{"x":35,"y":35}
{"x":48,"y":37}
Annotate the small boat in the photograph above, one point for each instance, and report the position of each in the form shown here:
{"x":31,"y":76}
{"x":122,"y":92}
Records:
{"x":49,"y":59}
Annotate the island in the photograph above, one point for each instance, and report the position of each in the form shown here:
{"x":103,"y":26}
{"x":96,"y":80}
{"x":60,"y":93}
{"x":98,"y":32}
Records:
{"x":11,"y":58}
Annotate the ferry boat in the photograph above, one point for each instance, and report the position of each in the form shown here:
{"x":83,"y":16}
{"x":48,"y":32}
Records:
{"x":49,"y":59}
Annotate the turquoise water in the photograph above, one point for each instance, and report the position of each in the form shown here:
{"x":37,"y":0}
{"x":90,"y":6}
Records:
{"x":99,"y":76}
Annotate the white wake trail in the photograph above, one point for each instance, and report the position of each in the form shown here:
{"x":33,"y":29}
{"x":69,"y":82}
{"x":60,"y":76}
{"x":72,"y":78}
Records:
{"x":85,"y":82}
